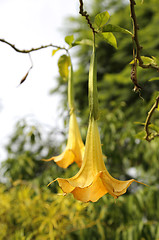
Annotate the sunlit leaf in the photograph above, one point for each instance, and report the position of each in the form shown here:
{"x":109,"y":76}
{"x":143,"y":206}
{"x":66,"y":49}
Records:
{"x":154,"y":79}
{"x":54,"y":51}
{"x":101,"y":19}
{"x":114,"y":28}
{"x":63,"y":65}
{"x":83,"y":42}
{"x":109,"y":38}
{"x":69,"y":39}
{"x":133,"y":61}
{"x":148,"y":60}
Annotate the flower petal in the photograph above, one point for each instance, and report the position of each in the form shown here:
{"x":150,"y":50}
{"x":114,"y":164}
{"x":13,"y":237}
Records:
{"x":90,"y":193}
{"x":93,"y":180}
{"x":115,"y":187}
{"x":65,"y":185}
{"x":64,"y":159}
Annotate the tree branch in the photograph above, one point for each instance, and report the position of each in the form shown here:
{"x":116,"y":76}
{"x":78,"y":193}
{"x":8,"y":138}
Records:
{"x":136,"y":39}
{"x":28,"y":52}
{"x":149,"y":136}
{"x":86,"y":15}
{"x":32,"y":49}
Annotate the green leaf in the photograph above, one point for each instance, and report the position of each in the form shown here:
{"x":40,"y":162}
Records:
{"x":157,"y":231}
{"x":83,"y":42}
{"x":132,"y":62}
{"x":156,"y":60}
{"x":114,"y":28}
{"x":54,"y":51}
{"x":101,"y":230}
{"x":139,"y":123}
{"x":154,"y":79}
{"x":154,"y":127}
{"x":148,"y":60}
{"x":140,"y":135}
{"x":109,"y":38}
{"x":63,"y":65}
{"x":69,"y":39}
{"x":101,"y":19}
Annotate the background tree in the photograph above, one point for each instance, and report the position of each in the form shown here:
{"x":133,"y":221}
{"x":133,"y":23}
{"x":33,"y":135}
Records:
{"x":30,"y":210}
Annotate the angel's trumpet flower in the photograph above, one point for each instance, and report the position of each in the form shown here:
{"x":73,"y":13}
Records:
{"x":93,"y":180}
{"x":75,"y":147}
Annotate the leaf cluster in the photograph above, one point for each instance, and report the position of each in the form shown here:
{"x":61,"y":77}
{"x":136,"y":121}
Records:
{"x":29,"y":212}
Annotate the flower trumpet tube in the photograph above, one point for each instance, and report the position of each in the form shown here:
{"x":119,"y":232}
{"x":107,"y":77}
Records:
{"x":93,"y":180}
{"x":74,"y":149}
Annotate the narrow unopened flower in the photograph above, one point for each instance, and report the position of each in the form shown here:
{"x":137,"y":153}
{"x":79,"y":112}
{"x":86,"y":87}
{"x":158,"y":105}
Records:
{"x":74,"y":149}
{"x":93,"y":180}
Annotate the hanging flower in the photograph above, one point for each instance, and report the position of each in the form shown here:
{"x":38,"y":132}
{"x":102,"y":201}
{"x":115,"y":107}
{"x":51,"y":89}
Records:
{"x":93,"y":180}
{"x":74,"y":149}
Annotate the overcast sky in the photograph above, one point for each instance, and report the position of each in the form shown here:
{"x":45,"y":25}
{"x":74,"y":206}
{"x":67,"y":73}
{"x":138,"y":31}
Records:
{"x":27,"y":24}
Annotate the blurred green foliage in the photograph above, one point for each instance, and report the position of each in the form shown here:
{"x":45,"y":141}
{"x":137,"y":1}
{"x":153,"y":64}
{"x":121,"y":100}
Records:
{"x":30,"y":212}
{"x":29,"y":209}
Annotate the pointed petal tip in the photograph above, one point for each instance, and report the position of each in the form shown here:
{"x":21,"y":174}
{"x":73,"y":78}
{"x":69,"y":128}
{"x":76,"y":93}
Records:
{"x":65,"y":159}
{"x":116,"y":187}
{"x":142,"y":183}
{"x":47,"y":160}
{"x":51,"y":183}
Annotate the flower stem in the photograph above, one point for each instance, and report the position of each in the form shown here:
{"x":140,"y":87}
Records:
{"x":92,"y":85}
{"x":70,"y":89}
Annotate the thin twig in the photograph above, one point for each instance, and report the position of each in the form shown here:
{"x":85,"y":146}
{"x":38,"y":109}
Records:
{"x":32,"y":49}
{"x":28,"y":52}
{"x":136,"y":39}
{"x":137,"y":87}
{"x":86,"y":15}
{"x":149,"y":136}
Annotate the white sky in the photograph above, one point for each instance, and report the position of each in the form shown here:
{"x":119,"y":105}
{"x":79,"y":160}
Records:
{"x":27,"y":24}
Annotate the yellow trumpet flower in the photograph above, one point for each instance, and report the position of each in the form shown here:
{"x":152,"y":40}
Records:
{"x":93,"y":180}
{"x":74,"y":149}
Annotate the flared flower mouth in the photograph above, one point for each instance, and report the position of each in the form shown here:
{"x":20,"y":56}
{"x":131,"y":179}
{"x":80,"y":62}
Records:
{"x":74,"y":149}
{"x":93,"y":180}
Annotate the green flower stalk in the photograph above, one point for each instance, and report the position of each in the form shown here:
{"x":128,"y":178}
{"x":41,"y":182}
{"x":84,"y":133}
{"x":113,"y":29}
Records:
{"x":70,"y":89}
{"x":92,"y":85}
